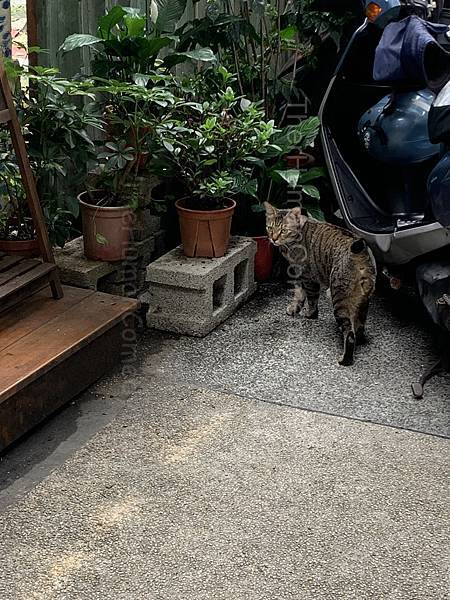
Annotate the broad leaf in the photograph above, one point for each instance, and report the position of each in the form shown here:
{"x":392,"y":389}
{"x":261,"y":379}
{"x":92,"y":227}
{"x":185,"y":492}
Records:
{"x":312,"y":191}
{"x":109,"y":21}
{"x":135,"y":25}
{"x":288,"y":33}
{"x":141,"y":80}
{"x":100,"y":239}
{"x":290,"y":176}
{"x":201,"y":54}
{"x":79,"y":40}
{"x":167,"y":13}
{"x":311,"y":174}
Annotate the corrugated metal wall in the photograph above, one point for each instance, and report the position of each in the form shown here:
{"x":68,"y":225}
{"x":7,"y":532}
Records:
{"x":59,"y":18}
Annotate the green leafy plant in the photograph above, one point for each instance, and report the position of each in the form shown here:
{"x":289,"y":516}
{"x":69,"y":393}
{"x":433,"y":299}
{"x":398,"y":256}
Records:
{"x":129,"y":42}
{"x":223,"y":149}
{"x":133,"y":112}
{"x":15,"y":221}
{"x":264,"y":42}
{"x":55,"y":125}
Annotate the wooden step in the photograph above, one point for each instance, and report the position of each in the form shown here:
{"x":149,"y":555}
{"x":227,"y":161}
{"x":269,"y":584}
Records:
{"x":21,"y":277}
{"x":50,"y":351}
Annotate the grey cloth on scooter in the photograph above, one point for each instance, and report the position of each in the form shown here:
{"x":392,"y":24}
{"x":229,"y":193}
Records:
{"x":409,"y":53}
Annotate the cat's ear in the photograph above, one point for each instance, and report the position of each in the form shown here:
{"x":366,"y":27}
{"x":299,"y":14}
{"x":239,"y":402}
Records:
{"x":271,"y":211}
{"x":298,"y":215}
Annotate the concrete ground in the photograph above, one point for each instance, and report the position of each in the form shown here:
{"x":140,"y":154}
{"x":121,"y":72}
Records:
{"x":246,"y":465}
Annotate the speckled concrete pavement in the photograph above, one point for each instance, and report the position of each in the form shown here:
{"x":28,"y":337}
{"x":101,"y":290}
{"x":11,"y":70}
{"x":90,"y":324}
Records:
{"x":263,"y":353}
{"x":178,"y":483}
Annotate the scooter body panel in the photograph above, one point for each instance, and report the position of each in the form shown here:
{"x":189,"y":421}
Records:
{"x":397,"y":245}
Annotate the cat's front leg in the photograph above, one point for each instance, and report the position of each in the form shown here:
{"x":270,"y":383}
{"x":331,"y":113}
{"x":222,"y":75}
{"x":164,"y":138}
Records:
{"x":298,"y":301}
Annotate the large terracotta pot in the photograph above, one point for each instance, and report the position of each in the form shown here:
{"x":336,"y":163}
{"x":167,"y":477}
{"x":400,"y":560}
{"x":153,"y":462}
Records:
{"x":106,"y":230}
{"x":27,"y":248}
{"x":263,"y":258}
{"x":205,"y":233}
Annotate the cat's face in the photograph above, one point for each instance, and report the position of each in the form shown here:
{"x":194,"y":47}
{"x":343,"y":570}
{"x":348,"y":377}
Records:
{"x":283,"y":226}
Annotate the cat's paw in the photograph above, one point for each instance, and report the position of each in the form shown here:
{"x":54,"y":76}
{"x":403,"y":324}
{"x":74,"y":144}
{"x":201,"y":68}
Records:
{"x":310,"y":314}
{"x":293,"y":309}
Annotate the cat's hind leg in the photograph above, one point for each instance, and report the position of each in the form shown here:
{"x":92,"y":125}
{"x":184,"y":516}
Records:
{"x":312,"y":291}
{"x":297,"y":302}
{"x":346,"y":323}
{"x":360,"y":321}
{"x":349,"y":336}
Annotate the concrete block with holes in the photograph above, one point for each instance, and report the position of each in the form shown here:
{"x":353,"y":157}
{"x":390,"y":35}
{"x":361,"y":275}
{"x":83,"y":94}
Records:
{"x":192,"y":296}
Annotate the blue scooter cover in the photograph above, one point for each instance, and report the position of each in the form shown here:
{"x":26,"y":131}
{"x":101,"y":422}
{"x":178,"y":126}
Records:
{"x":409,"y":53}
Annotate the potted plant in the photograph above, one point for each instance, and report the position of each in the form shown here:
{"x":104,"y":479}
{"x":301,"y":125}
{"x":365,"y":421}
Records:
{"x":208,"y":148}
{"x":55,"y":127}
{"x":129,"y":42}
{"x":116,"y":189}
{"x":284,"y":183}
{"x":17,"y":234}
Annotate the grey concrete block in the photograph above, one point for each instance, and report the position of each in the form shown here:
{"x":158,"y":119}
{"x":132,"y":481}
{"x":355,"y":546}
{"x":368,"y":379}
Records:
{"x":160,"y":243}
{"x":193,"y":295}
{"x":138,"y":257}
{"x":127,"y":288}
{"x":145,"y":225}
{"x":77,"y":270}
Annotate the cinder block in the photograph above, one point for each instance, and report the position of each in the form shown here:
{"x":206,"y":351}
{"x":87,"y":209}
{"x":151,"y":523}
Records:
{"x":77,"y":270}
{"x":160,"y":243}
{"x":145,"y":225}
{"x":138,"y":257}
{"x":193,"y":295}
{"x":127,"y":288}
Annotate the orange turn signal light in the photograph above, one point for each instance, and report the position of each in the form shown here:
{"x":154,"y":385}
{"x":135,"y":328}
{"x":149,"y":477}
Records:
{"x":373,"y":11}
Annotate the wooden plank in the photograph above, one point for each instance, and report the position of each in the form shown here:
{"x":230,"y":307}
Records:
{"x":28,"y":181}
{"x":24,"y":281}
{"x":32,"y":31}
{"x":57,"y":20}
{"x":25,"y":292}
{"x":44,"y":348}
{"x":19,"y":269}
{"x":36,"y":311}
{"x":8,"y":261}
{"x":33,"y":403}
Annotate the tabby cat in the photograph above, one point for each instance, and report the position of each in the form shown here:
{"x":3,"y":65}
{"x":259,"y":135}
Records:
{"x":325,"y":256}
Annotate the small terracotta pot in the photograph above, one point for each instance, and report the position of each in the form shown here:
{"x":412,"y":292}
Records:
{"x":263,"y":258}
{"x":300,"y":160}
{"x":26,"y":248}
{"x":205,"y":233}
{"x":106,"y":230}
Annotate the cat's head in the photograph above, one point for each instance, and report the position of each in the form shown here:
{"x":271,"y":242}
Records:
{"x":284,"y":226}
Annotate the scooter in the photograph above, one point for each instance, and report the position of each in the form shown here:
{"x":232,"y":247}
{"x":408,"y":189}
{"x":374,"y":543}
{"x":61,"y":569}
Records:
{"x":368,"y":191}
{"x":384,"y":203}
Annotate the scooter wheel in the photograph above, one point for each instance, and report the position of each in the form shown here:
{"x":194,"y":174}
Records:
{"x":417,"y":390}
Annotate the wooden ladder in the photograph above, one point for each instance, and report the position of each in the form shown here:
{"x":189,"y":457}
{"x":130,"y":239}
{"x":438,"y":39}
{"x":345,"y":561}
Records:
{"x":20,"y":277}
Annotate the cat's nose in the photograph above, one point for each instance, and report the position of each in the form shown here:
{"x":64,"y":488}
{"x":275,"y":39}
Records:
{"x":274,"y":239}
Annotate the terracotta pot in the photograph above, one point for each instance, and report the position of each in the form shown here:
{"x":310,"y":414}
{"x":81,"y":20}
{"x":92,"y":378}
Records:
{"x":106,"y":230}
{"x":263,"y":258}
{"x":205,"y":233}
{"x":300,"y":160}
{"x":27,"y":248}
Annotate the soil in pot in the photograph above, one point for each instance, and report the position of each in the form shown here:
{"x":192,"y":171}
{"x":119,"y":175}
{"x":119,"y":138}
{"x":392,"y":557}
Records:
{"x":205,"y":233}
{"x":19,"y":239}
{"x":106,"y":229}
